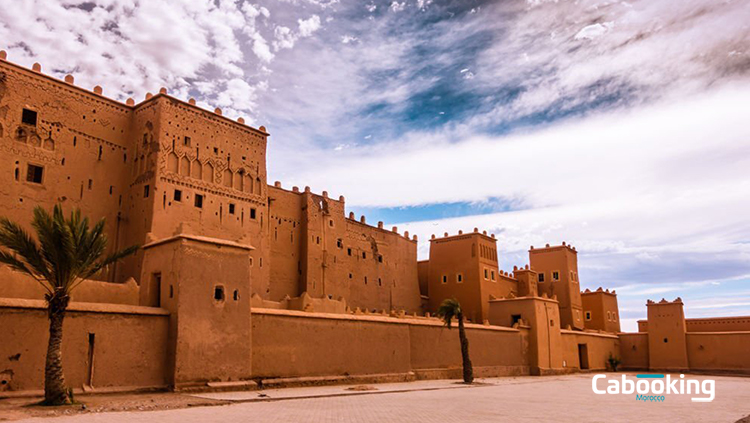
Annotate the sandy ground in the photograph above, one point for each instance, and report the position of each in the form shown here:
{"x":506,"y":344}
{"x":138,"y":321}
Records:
{"x":520,"y":399}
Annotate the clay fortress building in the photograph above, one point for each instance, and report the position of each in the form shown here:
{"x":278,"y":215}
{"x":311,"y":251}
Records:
{"x":239,"y":281}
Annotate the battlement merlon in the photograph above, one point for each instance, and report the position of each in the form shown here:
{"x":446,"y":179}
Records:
{"x":677,"y":301}
{"x":548,"y":248}
{"x":461,"y":235}
{"x":351,"y":218}
{"x":599,"y":291}
{"x":98,"y":93}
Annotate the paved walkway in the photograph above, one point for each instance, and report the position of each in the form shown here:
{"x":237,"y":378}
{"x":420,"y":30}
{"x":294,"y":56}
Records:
{"x":525,"y":399}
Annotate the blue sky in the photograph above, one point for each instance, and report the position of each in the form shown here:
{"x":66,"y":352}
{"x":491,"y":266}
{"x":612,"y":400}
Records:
{"x":619,"y":127}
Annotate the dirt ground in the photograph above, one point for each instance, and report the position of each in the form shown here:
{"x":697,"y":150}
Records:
{"x":23,"y":408}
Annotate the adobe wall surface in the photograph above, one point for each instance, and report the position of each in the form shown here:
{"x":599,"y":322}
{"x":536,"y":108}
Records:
{"x":564,"y":260}
{"x":18,"y":285}
{"x":710,"y":324}
{"x":634,"y":350}
{"x":130,"y":344}
{"x":464,"y":267}
{"x":209,"y":336}
{"x":434,"y":346}
{"x":600,"y":311}
{"x":80,"y":140}
{"x":290,"y":344}
{"x":727,"y":351}
{"x":599,"y":347}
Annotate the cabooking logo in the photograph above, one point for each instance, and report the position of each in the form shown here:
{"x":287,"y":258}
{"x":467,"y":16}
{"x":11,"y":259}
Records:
{"x":646,"y":386}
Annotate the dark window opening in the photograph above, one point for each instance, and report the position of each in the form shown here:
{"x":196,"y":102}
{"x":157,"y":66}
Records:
{"x":199,"y":201}
{"x":91,"y":184}
{"x":110,"y":189}
{"x":29,"y":117}
{"x":219,"y":293}
{"x":349,"y":251}
{"x":340,"y":243}
{"x":541,"y":277}
{"x":186,"y":142}
{"x":146,"y":190}
{"x":350,"y":275}
{"x":556,"y":276}
{"x":380,"y":282}
{"x":231,"y":208}
{"x":515,"y":319}
{"x":445,"y":278}
{"x":252,"y":213}
{"x":364,"y":254}
{"x":177,"y":195}
{"x":380,"y":259}
{"x":34,"y":174}
{"x":171,"y":291}
{"x":236,"y":295}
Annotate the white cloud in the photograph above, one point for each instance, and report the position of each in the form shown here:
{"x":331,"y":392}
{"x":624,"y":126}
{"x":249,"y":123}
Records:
{"x":591,"y":32}
{"x":308,"y":26}
{"x":397,"y":7}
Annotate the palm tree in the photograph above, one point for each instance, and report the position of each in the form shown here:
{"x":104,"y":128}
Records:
{"x":64,"y":254}
{"x":450,"y":309}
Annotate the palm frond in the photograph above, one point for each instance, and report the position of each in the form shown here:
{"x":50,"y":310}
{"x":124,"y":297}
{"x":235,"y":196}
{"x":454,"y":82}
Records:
{"x":17,"y":240}
{"x":449,"y":309}
{"x":68,"y":251}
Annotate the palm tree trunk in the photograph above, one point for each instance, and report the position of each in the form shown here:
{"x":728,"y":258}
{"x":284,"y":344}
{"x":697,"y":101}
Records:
{"x":55,"y":391}
{"x":468,"y":370}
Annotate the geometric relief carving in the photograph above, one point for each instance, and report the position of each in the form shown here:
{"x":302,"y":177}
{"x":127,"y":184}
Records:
{"x":185,"y":166}
{"x":197,"y":170}
{"x":239,"y":180}
{"x":248,"y":184}
{"x":208,"y":173}
{"x":228,"y":177}
{"x":172,"y":162}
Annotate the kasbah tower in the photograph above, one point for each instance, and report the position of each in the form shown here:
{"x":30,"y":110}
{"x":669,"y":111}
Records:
{"x":238,"y":280}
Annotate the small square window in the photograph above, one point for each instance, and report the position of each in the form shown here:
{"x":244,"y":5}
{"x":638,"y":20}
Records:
{"x":380,"y":258}
{"x":252,"y":213}
{"x":216,"y":150}
{"x":34,"y":174}
{"x":609,"y":316}
{"x":177,"y":195}
{"x":330,"y":223}
{"x":486,"y":274}
{"x":492,"y":275}
{"x":231,"y":208}
{"x":199,"y":201}
{"x":587,"y":315}
{"x":186,"y":142}
{"x":555,"y":276}
{"x":28,"y":117}
{"x":146,"y":191}
{"x":340,"y":243}
{"x":541,"y":277}
{"x":349,"y":251}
